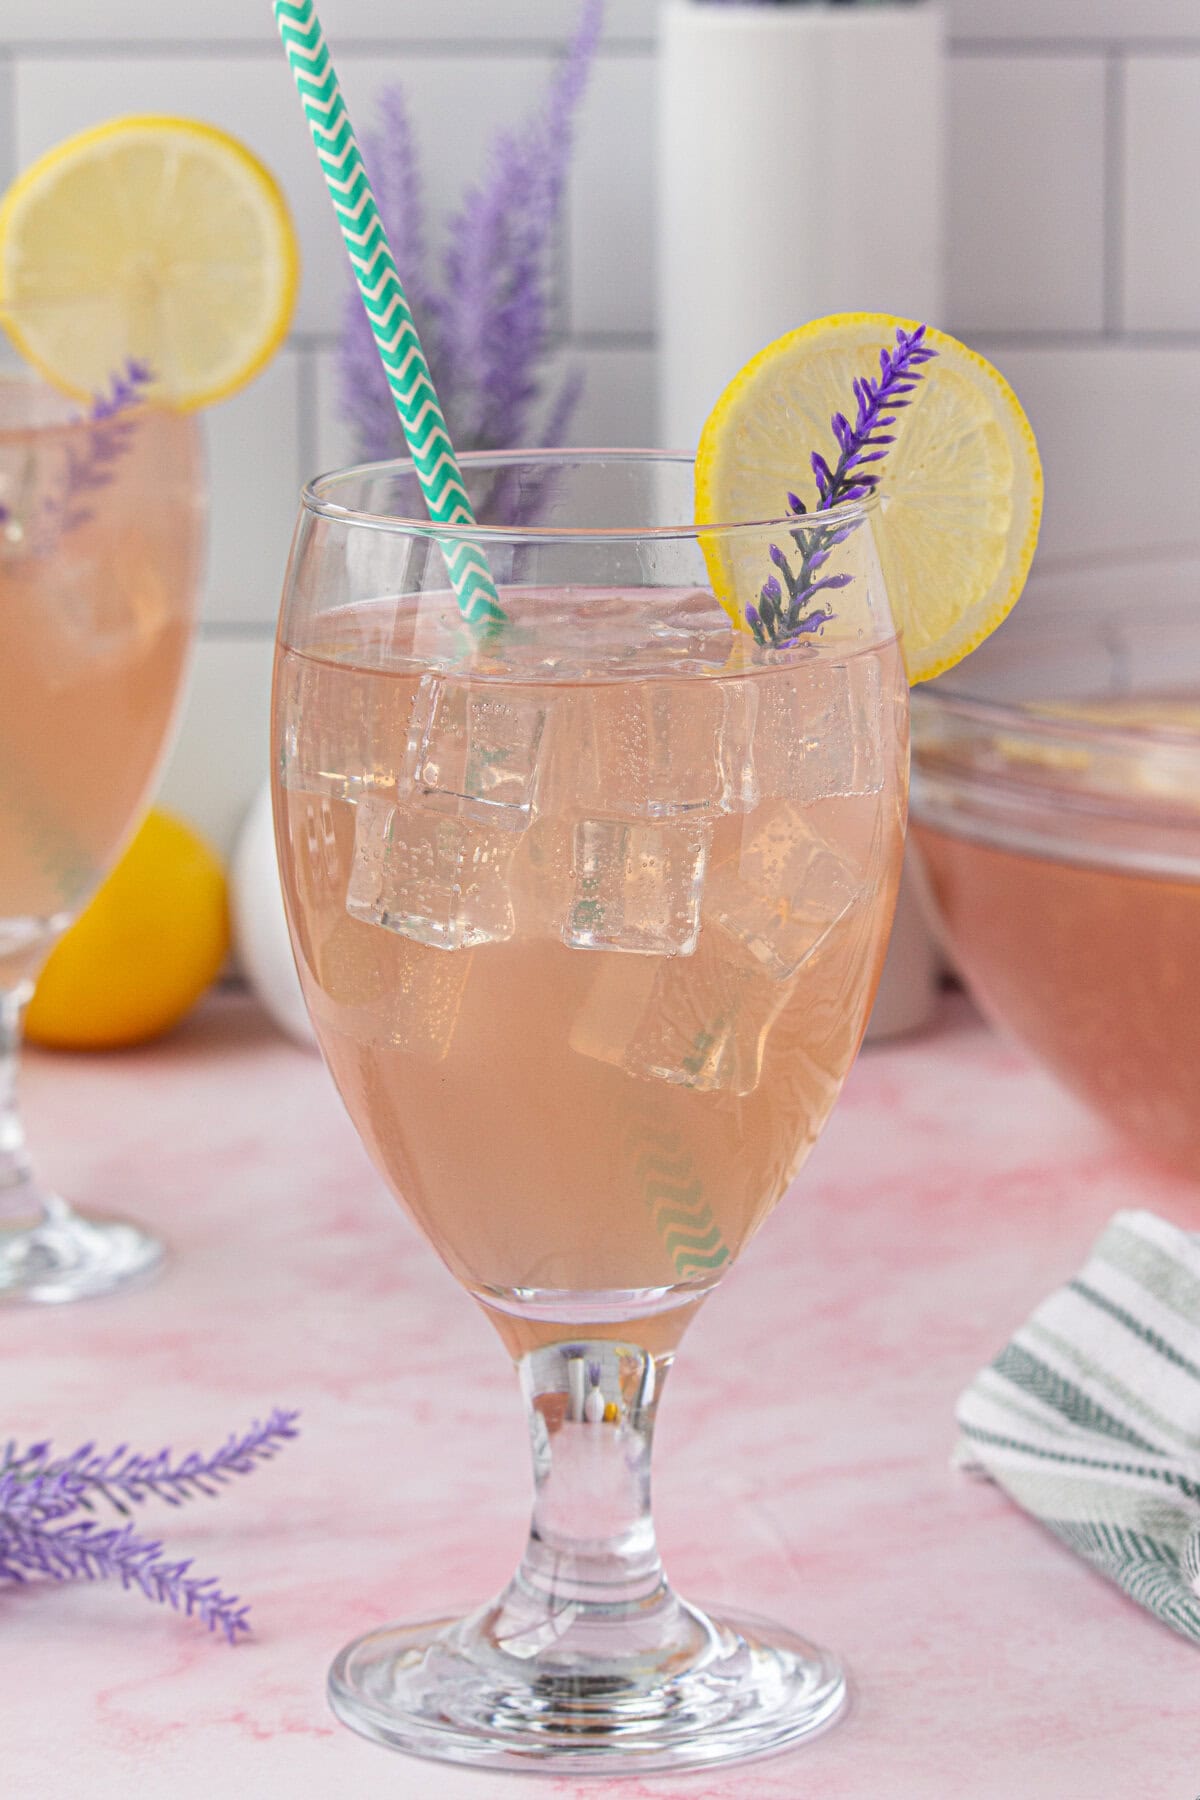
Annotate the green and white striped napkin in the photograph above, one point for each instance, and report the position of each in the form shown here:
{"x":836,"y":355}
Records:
{"x":1090,"y":1417}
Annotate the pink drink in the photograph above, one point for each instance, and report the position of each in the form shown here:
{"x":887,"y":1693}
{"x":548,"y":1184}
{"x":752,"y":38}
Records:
{"x":589,"y":1034}
{"x":96,"y":598}
{"x":1075,"y":913}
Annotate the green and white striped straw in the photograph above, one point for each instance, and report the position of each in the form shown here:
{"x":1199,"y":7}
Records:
{"x":387,"y":308}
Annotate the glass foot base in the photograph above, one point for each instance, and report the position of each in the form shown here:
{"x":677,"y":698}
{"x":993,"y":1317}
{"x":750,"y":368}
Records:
{"x":73,"y":1258}
{"x":446,"y":1689}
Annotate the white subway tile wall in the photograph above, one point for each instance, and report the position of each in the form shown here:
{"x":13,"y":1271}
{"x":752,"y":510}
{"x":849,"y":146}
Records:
{"x":1074,"y":255}
{"x":219,"y":758}
{"x":1119,"y":429}
{"x":1161,"y":265}
{"x":1026,"y":135}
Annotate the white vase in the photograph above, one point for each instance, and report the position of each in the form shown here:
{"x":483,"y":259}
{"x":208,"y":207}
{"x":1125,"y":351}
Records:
{"x":800,"y":173}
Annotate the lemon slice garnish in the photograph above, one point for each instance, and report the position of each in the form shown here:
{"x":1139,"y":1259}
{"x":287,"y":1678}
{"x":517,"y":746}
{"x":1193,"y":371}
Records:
{"x":158,"y":239}
{"x":961,"y":485}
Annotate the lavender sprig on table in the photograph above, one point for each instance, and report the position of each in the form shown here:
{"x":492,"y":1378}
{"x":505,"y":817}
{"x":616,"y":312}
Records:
{"x":486,"y":324}
{"x":41,"y":1494}
{"x":81,"y":1552}
{"x":782,"y":614}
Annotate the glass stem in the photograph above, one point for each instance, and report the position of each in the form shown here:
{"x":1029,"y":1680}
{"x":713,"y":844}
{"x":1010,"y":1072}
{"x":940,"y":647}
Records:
{"x":21,"y":1201}
{"x":591,"y":1562}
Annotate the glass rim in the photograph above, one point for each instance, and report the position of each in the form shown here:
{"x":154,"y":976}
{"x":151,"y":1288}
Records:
{"x":1039,"y":719}
{"x":314,"y":499}
{"x":28,"y":380}
{"x":80,"y":423}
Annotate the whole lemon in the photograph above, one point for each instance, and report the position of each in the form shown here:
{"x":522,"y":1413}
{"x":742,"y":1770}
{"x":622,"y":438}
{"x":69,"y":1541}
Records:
{"x":150,"y":941}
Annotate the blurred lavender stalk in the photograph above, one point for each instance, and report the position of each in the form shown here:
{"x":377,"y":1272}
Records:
{"x":487,"y":326}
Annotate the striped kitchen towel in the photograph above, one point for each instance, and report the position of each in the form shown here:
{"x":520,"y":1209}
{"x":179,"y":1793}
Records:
{"x":1090,"y":1417}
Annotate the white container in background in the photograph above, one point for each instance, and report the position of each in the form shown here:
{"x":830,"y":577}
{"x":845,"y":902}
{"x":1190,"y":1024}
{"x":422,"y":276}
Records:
{"x":800,"y":172}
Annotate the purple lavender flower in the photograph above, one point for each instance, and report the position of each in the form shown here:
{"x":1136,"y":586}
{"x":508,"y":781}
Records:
{"x":487,"y":329}
{"x":860,"y":445}
{"x":108,"y":440}
{"x":495,"y":316}
{"x":39,"y":1493}
{"x":365,"y":400}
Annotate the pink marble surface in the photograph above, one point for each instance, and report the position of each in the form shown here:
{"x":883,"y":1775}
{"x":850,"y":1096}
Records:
{"x":802,"y":1467}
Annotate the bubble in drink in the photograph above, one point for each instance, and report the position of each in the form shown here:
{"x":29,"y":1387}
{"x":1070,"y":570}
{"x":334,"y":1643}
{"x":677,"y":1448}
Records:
{"x":432,"y":877}
{"x":784,"y":892}
{"x":476,"y":752}
{"x":637,"y":886}
{"x":827,"y":741}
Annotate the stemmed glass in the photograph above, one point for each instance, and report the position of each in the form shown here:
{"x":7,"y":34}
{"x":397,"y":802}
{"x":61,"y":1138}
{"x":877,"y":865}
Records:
{"x":589,"y":912}
{"x":101,"y":528}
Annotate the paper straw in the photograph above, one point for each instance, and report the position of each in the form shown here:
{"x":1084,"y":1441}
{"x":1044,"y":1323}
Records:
{"x":387,"y":308}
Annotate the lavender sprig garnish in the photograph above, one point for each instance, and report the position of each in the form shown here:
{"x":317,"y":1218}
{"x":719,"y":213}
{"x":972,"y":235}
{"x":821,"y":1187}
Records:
{"x":108,"y":440}
{"x":40,"y":1494}
{"x":486,"y":324}
{"x":782,"y":614}
{"x":48,"y":493}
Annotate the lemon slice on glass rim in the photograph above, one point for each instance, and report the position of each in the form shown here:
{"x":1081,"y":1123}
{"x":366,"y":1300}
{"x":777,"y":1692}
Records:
{"x":159,"y":239}
{"x":961,"y":486}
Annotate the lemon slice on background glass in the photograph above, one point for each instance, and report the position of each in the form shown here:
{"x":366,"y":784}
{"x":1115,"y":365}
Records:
{"x":961,"y":488}
{"x":159,"y":239}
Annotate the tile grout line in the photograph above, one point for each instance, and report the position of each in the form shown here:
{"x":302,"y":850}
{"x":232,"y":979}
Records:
{"x":150,"y":49}
{"x":1073,"y":46}
{"x":266,"y":49}
{"x":319,"y":342}
{"x":1076,"y":340}
{"x":234,"y":631}
{"x":1112,"y":175}
{"x":8,"y":116}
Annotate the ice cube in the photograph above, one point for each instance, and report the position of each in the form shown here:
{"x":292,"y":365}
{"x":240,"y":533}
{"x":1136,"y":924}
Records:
{"x":381,"y":988}
{"x":343,"y":732}
{"x":659,"y":749}
{"x":821,"y":731}
{"x":692,"y":625}
{"x":784,"y":892}
{"x":699,"y":1022}
{"x":739,"y":777}
{"x":637,"y":886}
{"x":474,"y":751}
{"x":432,"y":877}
